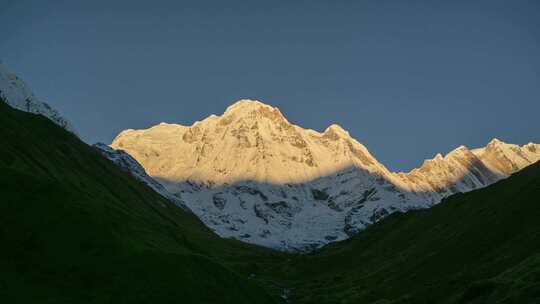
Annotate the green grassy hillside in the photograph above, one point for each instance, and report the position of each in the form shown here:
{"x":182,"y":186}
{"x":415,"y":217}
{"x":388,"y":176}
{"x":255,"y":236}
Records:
{"x":479,"y":247}
{"x":76,"y":229}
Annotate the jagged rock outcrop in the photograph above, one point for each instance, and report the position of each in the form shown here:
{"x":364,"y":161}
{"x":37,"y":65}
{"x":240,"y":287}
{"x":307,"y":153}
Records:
{"x":505,"y":159}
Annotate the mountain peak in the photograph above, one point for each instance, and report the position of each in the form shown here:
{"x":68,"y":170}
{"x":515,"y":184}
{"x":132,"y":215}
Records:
{"x":460,"y":149}
{"x":336,"y":129}
{"x":15,"y":92}
{"x":246,"y":105}
{"x":253,"y":110}
{"x":495,"y":141}
{"x":251,"y":175}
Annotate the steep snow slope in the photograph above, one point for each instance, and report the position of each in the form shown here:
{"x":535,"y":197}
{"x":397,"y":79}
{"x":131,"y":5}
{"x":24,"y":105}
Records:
{"x":252,"y":175}
{"x":17,"y":94}
{"x":129,"y":164}
{"x":459,"y":171}
{"x":243,"y":144}
{"x":505,"y":159}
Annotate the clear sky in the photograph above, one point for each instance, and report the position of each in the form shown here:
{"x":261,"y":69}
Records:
{"x":408,"y":79}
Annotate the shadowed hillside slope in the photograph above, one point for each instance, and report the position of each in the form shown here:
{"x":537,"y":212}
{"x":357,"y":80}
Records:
{"x":74,"y":228}
{"x":478,"y":247}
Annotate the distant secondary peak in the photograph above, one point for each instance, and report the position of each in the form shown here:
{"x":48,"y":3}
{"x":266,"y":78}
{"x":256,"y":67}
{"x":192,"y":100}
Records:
{"x":531,"y":144}
{"x":459,"y":150}
{"x":336,"y":131}
{"x":438,"y":156}
{"x":495,"y":144}
{"x":15,"y":92}
{"x":495,"y":141}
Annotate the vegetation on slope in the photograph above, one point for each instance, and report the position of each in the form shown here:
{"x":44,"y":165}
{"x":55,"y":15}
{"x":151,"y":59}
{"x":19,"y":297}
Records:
{"x":478,"y":247}
{"x":74,"y":228}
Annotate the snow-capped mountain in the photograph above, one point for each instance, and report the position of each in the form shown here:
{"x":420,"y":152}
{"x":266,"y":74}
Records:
{"x":505,"y":159}
{"x":252,"y":175}
{"x":17,"y":94}
{"x":129,"y":164}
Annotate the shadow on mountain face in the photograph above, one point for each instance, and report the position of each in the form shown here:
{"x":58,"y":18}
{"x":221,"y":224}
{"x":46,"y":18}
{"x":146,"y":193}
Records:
{"x":252,"y":175}
{"x":478,"y":247}
{"x":304,"y":216}
{"x":74,"y":228}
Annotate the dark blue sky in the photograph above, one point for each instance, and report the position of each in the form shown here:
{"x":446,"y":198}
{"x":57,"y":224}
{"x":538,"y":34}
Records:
{"x":406,"y":78}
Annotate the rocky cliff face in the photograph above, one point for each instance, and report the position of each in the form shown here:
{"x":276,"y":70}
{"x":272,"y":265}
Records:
{"x":504,"y":159}
{"x":252,"y":175}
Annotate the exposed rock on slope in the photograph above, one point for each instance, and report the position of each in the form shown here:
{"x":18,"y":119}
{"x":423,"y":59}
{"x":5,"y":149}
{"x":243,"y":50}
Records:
{"x":252,"y":175}
{"x":505,"y":159}
{"x":17,"y":94}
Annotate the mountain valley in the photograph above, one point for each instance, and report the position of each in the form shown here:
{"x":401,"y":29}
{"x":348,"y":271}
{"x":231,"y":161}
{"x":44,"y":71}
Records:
{"x":93,"y":224}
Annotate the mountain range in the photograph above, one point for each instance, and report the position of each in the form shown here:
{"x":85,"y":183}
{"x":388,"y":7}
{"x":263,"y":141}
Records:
{"x":252,"y":175}
{"x":87,"y":224}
